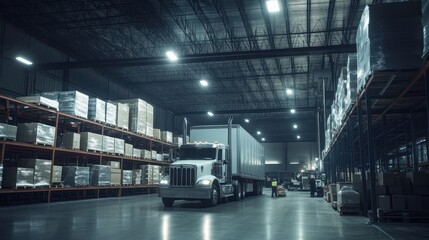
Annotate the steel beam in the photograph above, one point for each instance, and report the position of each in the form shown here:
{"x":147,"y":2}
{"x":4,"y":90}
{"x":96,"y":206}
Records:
{"x":362,"y":157}
{"x":371,"y":156}
{"x":269,"y":110}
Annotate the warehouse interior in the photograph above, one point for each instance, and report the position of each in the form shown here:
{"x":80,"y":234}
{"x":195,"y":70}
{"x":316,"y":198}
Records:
{"x":97,"y":97}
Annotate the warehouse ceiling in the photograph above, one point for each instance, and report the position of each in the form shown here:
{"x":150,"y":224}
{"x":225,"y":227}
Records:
{"x":248,"y":55}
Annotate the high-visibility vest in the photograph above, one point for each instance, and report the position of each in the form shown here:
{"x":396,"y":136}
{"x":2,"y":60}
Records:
{"x":274,"y":184}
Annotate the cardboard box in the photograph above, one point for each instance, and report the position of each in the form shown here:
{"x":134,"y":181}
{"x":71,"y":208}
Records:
{"x":388,"y":179}
{"x":420,"y":190}
{"x":398,"y":202}
{"x":418,"y":178}
{"x":384,"y":202}
{"x":115,"y":177}
{"x":413,"y":202}
{"x":395,"y":190}
{"x":382,"y":190}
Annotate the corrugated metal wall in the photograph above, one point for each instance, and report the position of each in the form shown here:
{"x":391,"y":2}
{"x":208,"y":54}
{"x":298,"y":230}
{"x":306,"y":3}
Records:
{"x":17,"y":79}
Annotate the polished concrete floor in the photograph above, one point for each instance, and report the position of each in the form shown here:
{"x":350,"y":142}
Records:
{"x":144,"y":217}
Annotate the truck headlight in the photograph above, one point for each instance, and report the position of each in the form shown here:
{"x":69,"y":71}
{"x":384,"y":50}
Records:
{"x":205,"y":182}
{"x":163,"y":181}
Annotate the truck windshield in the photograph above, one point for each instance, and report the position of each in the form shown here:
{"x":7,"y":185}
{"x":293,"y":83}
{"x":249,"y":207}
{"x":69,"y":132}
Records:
{"x":198,"y":153}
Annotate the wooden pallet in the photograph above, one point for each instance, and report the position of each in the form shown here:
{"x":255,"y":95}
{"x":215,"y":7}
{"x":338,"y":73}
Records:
{"x":349,"y":210}
{"x":402,"y":215}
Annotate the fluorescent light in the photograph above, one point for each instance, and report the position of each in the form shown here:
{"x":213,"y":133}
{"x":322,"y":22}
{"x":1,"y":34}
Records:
{"x":289,"y":91}
{"x":273,"y":6}
{"x":292,"y":110}
{"x":23,"y":60}
{"x":299,"y":137}
{"x":210,"y":114}
{"x":172,"y":56}
{"x":294,"y":163}
{"x":204,"y":82}
{"x":295,"y":126}
{"x":263,"y":139}
{"x":268,"y":162}
{"x":317,"y":159}
{"x":302,"y":170}
{"x":258,"y":132}
{"x":247,"y":120}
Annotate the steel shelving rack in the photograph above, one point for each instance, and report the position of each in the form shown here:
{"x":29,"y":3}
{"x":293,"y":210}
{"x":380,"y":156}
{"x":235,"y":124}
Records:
{"x":13,"y":111}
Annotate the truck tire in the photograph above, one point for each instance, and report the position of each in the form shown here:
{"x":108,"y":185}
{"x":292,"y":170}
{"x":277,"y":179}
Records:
{"x":168,"y":202}
{"x":214,"y":197}
{"x":261,"y":188}
{"x":243,"y":190}
{"x":237,"y":192}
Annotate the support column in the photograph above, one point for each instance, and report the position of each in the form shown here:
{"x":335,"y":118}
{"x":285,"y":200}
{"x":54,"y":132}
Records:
{"x":371,"y":156}
{"x":413,"y":143}
{"x":351,"y":147}
{"x":362,"y":158}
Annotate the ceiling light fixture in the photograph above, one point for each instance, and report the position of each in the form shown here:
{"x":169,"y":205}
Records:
{"x":299,"y":137}
{"x":292,"y":110}
{"x":171,"y":56}
{"x":247,"y":120}
{"x":23,"y":60}
{"x":295,"y":126}
{"x":204,"y":82}
{"x":273,"y":6}
{"x":258,"y":132}
{"x":263,"y":139}
{"x":289,"y":91}
{"x":210,"y":114}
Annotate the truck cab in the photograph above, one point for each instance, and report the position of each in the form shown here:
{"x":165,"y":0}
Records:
{"x":199,"y":174}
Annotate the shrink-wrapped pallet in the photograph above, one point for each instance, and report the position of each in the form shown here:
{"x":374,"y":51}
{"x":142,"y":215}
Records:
{"x":178,"y":141}
{"x":115,"y":177}
{"x":74,"y":176}
{"x":137,"y":153}
{"x":74,"y":103}
{"x":153,"y":156}
{"x":42,"y":170}
{"x":17,"y":177}
{"x":128,"y":150}
{"x":389,"y":37}
{"x":347,"y":197}
{"x":71,"y":140}
{"x":127,"y":177}
{"x":36,"y":133}
{"x":157,"y":133}
{"x":425,"y":23}
{"x":146,"y":154}
{"x":111,"y":112}
{"x":56,"y":176}
{"x":159,"y":157}
{"x":40,"y":100}
{"x":167,"y":136}
{"x":138,"y":115}
{"x":7,"y":131}
{"x":91,"y":142}
{"x":99,"y":175}
{"x":137,"y":176}
{"x":97,"y":110}
{"x":351,"y":85}
{"x":114,"y":164}
{"x":108,"y":144}
{"x":149,"y":120}
{"x":119,"y":146}
{"x":122,"y":115}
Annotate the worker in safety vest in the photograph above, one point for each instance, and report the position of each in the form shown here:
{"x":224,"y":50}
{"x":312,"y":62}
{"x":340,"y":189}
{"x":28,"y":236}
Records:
{"x":274,"y":188}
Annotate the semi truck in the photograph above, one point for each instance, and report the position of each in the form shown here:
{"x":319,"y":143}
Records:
{"x":219,"y":162}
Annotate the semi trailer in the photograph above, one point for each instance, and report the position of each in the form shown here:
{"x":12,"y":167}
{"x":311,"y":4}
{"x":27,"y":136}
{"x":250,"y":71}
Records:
{"x":219,"y":162}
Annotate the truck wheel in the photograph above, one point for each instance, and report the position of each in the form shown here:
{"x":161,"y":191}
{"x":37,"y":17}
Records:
{"x":214,"y":197}
{"x":168,"y":202}
{"x":237,"y":192}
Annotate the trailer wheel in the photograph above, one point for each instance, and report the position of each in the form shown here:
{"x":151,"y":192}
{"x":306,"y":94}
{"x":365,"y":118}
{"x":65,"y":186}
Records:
{"x":243,"y":190}
{"x":168,"y":202}
{"x":214,"y":197}
{"x":237,"y":192}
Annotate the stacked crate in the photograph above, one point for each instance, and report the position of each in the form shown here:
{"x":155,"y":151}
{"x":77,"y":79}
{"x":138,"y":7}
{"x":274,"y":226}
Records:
{"x":75,"y":176}
{"x":42,"y":101}
{"x":122,"y":115}
{"x":108,"y":144}
{"x":71,"y":102}
{"x":128,"y":150}
{"x":115,"y":174}
{"x":137,"y":176}
{"x":99,"y":175}
{"x":18,"y":177}
{"x":127,"y":177}
{"x":111,"y":112}
{"x":71,"y":140}
{"x":150,"y":174}
{"x":119,"y":146}
{"x":167,"y":136}
{"x":138,"y":115}
{"x":36,"y":133}
{"x":56,"y":176}
{"x":41,"y":169}
{"x":157,"y":133}
{"x":91,"y":142}
{"x":149,"y":120}
{"x":97,"y":110}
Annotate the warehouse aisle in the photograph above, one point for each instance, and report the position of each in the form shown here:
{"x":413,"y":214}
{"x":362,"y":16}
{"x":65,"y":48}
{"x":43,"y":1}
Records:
{"x":144,"y":217}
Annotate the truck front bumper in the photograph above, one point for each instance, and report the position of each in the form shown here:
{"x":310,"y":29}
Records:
{"x":184,"y":193}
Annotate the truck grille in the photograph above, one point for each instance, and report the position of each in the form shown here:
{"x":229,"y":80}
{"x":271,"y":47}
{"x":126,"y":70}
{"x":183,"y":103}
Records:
{"x":183,"y":175}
